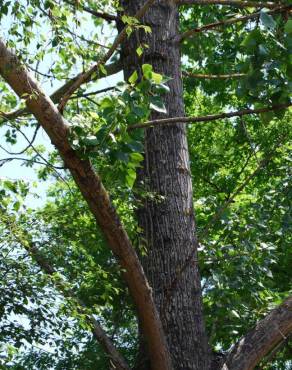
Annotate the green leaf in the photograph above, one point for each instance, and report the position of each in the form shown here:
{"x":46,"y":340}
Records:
{"x":147,"y":70}
{"x":139,"y":51}
{"x":157,"y":104}
{"x":252,"y":40}
{"x":102,"y":69}
{"x":157,"y":78}
{"x":288,"y":26}
{"x":90,"y":141}
{"x":133,"y":78}
{"x":137,"y":157}
{"x":267,"y":20}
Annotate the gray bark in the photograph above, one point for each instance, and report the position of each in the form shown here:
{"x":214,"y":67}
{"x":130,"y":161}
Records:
{"x":168,"y":220}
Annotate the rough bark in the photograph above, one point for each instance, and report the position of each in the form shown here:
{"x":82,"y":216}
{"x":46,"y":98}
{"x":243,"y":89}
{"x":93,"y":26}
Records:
{"x":91,"y":187}
{"x":267,"y":333}
{"x":168,"y":220}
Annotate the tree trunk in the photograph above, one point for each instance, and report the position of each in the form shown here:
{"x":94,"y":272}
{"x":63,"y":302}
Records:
{"x":168,"y":220}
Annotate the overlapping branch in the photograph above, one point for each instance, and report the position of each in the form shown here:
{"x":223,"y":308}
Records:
{"x":234,"y":20}
{"x":26,"y":242}
{"x":85,"y":77}
{"x":111,"y":69}
{"x":93,"y":191}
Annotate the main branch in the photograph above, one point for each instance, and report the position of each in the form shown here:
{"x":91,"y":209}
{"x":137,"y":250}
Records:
{"x":235,"y":3}
{"x":98,"y":201}
{"x":262,"y":339}
{"x":206,"y":76}
{"x":211,"y":117}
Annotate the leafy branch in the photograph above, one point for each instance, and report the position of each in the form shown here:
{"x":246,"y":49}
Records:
{"x":234,"y":20}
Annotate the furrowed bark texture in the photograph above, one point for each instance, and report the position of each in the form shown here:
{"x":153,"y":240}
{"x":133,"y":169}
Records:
{"x":97,"y":198}
{"x":168,"y":221}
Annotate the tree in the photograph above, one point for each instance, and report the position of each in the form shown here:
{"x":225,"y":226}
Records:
{"x":103,"y":140}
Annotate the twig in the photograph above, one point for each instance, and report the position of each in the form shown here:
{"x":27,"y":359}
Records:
{"x":211,"y":117}
{"x":30,"y":142}
{"x":226,"y":22}
{"x":93,"y":93}
{"x":84,"y":77}
{"x":5,"y":160}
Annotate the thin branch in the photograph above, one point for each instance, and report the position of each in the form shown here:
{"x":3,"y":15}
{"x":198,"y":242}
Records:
{"x":32,"y":160}
{"x":213,"y":77}
{"x":235,"y":3}
{"x":85,"y":77}
{"x":211,"y":117}
{"x":85,"y":95}
{"x":33,"y":147}
{"x":263,"y":338}
{"x":98,"y":332}
{"x":97,"y":14}
{"x":30,"y":143}
{"x":107,"y":17}
{"x":38,"y":154}
{"x":226,"y":22}
{"x":98,"y":200}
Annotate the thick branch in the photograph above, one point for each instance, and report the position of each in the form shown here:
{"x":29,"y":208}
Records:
{"x":25,"y":241}
{"x":226,"y":22}
{"x":87,"y":75}
{"x":236,"y":3}
{"x":98,"y":200}
{"x":265,"y":336}
{"x":211,"y":117}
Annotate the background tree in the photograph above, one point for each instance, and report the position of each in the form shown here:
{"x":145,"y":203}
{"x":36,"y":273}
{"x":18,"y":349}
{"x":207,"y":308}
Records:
{"x":65,"y":302}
